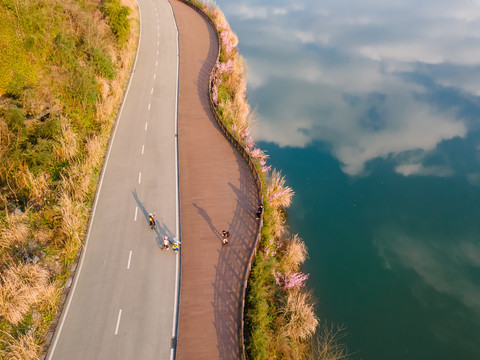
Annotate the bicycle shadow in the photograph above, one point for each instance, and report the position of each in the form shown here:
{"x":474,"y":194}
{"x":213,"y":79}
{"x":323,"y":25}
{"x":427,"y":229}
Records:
{"x":207,"y":218}
{"x":160,"y":229}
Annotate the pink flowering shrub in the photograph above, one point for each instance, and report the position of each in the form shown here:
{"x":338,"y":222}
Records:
{"x":270,"y":249}
{"x":266,"y":169}
{"x":224,"y":67}
{"x":215,"y":93}
{"x":229,"y":41}
{"x":290,"y":279}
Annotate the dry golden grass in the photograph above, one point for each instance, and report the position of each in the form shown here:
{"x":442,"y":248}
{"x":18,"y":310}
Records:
{"x":14,"y":230}
{"x":22,"y":348}
{"x":219,"y":19}
{"x":21,"y":286}
{"x":5,"y":136}
{"x":78,"y":181}
{"x":279,"y":223}
{"x":38,"y":186}
{"x":237,"y":85}
{"x":68,"y":147}
{"x":278,"y":194}
{"x":299,"y":313}
{"x":95,"y":151}
{"x":328,"y":344}
{"x":296,"y":253}
{"x":74,"y":215}
{"x":103,"y":87}
{"x":42,"y":235}
{"x":51,"y":297}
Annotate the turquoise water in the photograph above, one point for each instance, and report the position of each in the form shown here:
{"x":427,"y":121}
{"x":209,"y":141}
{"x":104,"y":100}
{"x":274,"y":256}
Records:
{"x":371,"y":110}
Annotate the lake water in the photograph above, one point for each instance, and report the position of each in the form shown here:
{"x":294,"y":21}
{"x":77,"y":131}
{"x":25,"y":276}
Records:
{"x":372,"y":111}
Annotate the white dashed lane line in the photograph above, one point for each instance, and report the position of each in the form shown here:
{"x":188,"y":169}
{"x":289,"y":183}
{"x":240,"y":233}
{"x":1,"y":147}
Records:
{"x":129,"y":260}
{"x":139,"y":178}
{"x":136,"y":212}
{"x":118,"y":321}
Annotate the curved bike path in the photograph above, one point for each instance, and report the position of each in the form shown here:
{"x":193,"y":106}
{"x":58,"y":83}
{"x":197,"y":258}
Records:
{"x":217,"y":192}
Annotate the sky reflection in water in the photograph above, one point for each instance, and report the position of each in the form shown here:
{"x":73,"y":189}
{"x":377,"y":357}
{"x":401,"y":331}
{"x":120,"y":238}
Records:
{"x":365,"y":77}
{"x":395,"y":82}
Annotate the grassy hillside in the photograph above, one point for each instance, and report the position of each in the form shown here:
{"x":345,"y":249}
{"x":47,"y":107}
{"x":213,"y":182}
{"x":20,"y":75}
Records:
{"x":64,"y":65}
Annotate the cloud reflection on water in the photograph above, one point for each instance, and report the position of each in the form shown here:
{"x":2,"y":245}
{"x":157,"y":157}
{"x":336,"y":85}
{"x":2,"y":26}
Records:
{"x":343,"y":72}
{"x":447,"y":267}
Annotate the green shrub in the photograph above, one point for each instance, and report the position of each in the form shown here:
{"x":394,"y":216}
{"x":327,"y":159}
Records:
{"x":102,"y":63}
{"x":64,"y":51}
{"x":82,"y":93}
{"x":49,"y":129}
{"x":15,"y":119}
{"x":39,"y":156}
{"x":117,"y":16}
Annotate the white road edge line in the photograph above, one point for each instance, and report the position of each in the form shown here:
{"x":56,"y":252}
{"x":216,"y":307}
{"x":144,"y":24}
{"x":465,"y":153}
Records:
{"x":129,"y":260}
{"x":58,"y":331}
{"x":118,"y":321}
{"x":136,"y":211}
{"x":177,"y":204}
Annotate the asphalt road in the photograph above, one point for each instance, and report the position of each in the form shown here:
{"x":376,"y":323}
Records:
{"x":122,"y":303}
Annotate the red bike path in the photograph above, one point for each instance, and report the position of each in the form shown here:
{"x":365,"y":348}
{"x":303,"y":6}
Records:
{"x":217,"y":192}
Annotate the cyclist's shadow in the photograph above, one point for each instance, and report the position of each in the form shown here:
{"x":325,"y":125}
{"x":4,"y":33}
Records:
{"x":161,"y":229}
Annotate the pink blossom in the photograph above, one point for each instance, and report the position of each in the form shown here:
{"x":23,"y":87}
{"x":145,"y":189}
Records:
{"x":215,"y":93}
{"x":256,"y":153}
{"x":266,"y":168}
{"x":225,"y":68}
{"x":263,"y":161}
{"x":250,"y":143}
{"x":289,"y":280}
{"x":229,"y":41}
{"x":245,"y":133}
{"x":268,"y":251}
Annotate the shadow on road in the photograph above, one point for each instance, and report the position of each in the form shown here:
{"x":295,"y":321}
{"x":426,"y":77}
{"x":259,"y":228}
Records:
{"x":207,"y":218}
{"x":161,"y":229}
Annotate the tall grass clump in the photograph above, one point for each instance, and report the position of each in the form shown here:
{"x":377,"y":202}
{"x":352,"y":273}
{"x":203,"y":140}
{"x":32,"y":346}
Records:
{"x":64,"y":66}
{"x":280,"y":319}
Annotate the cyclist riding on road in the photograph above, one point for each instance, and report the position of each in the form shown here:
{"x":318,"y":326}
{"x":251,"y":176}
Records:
{"x":151,"y":220}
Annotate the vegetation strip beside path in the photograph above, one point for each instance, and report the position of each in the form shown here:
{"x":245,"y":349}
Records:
{"x":217,"y":192}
